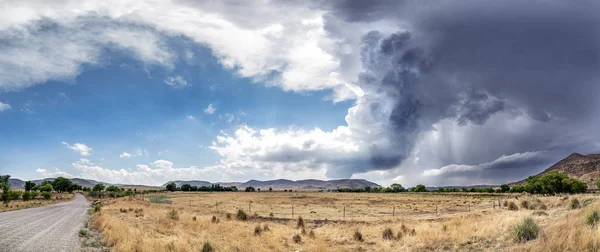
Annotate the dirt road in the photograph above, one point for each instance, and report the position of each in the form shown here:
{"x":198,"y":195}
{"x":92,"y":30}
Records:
{"x":48,"y":228}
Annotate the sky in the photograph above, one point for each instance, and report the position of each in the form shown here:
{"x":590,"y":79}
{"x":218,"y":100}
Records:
{"x":434,"y":92}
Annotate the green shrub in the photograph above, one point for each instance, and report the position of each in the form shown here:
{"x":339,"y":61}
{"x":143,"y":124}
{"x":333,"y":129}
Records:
{"x":97,"y":208}
{"x":47,"y":195}
{"x":592,"y":218}
{"x":83,"y":232}
{"x":241,"y":215}
{"x":526,"y":230}
{"x":27,"y":196}
{"x":574,"y":204}
{"x":587,"y":201}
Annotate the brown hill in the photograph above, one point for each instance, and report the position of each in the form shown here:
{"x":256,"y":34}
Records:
{"x":583,"y":167}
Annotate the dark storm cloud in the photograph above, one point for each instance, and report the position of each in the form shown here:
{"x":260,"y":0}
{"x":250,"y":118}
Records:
{"x":471,"y":60}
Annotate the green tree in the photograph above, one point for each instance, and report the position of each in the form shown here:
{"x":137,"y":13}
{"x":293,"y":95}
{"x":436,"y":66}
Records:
{"x":4,"y":184}
{"x":61,"y":184}
{"x":113,"y":188}
{"x":29,"y":186}
{"x":504,"y":188}
{"x":98,"y":188}
{"x":420,"y":188}
{"x":186,"y":187}
{"x":46,"y":188}
{"x":250,"y":189}
{"x":397,"y":187}
{"x":172,"y":186}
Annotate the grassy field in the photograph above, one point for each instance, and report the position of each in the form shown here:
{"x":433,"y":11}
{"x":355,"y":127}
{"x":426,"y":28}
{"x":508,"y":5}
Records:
{"x":39,"y":201}
{"x":417,"y":221}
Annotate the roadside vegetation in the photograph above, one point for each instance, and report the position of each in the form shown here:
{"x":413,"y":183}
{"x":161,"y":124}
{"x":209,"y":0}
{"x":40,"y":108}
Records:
{"x":32,"y":195}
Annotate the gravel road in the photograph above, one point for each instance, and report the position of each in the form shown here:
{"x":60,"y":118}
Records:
{"x":48,"y":228}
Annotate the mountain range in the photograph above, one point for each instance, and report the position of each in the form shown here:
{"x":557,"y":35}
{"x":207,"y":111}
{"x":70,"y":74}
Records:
{"x":281,"y":184}
{"x":583,"y":167}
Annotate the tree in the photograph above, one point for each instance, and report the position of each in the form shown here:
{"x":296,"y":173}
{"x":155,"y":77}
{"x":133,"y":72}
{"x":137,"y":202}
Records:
{"x":420,"y":188}
{"x":4,"y":184}
{"x":98,"y":188}
{"x":113,"y":188}
{"x":270,"y":189}
{"x":171,"y":186}
{"x":61,"y":184}
{"x":250,"y":189}
{"x":397,"y":187}
{"x":29,"y":186}
{"x":367,"y":189}
{"x":46,"y":188}
{"x":504,"y":188}
{"x":186,"y":187}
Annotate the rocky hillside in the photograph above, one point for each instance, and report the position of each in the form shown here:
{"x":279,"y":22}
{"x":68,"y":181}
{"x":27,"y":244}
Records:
{"x":583,"y":167}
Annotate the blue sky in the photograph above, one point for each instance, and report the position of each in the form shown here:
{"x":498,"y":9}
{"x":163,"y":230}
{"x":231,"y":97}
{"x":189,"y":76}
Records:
{"x":126,"y":106}
{"x":442,"y":93}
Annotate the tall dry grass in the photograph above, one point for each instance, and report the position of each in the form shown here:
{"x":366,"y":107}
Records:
{"x":483,"y":228}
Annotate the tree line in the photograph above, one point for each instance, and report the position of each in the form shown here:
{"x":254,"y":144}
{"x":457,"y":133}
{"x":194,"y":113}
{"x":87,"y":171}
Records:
{"x":32,"y":190}
{"x":190,"y":188}
{"x":550,"y":183}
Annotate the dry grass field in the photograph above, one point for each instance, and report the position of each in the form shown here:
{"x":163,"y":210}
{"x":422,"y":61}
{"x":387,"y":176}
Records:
{"x":39,"y":201}
{"x":462,"y":222}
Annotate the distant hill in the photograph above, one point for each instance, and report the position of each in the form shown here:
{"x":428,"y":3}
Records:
{"x":278,"y":184}
{"x":310,"y":184}
{"x":20,"y":184}
{"x":583,"y":167}
{"x":281,"y":184}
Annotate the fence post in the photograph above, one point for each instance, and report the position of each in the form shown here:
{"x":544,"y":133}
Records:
{"x":344,"y":212}
{"x":394,"y":212}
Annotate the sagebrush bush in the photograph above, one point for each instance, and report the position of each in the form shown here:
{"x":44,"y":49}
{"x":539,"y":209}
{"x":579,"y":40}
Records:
{"x":512,"y":206}
{"x":213,"y":219}
{"x":173,"y":214}
{"x":266,"y":228}
{"x":388,"y":234}
{"x":194,"y":218}
{"x":592,"y":218}
{"x":83,"y":232}
{"x":297,"y":238}
{"x":271,"y":215}
{"x":540,"y":213}
{"x":228,"y":216}
{"x":587,"y":201}
{"x":257,"y":230}
{"x":241,"y":215}
{"x":526,"y":230}
{"x":207,"y":247}
{"x":300,"y":223}
{"x":525,"y":204}
{"x":574,"y":204}
{"x":97,"y":208}
{"x":358,"y":236}
{"x":311,"y":235}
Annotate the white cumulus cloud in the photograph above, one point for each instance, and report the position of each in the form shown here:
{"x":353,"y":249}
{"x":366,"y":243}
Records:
{"x":80,"y":148}
{"x":210,"y":109}
{"x":4,"y":106}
